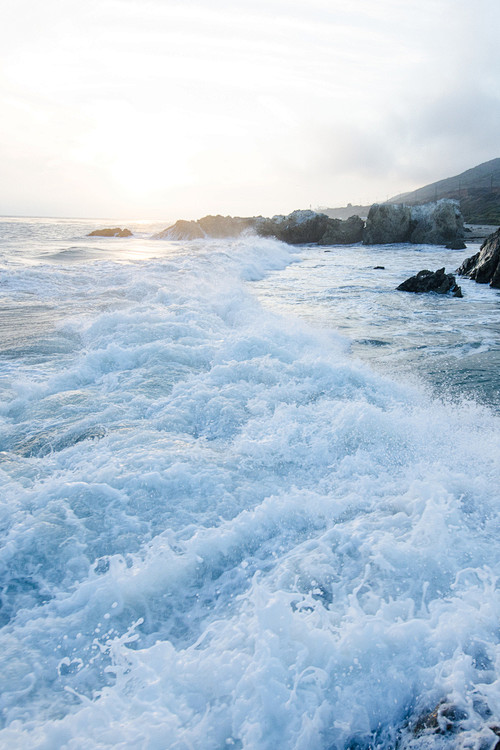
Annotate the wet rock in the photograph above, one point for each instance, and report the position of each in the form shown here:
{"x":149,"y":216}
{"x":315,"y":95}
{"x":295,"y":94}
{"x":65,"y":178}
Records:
{"x":438,"y":223}
{"x":297,"y":228}
{"x":456,"y":245}
{"x":216,"y":227}
{"x":225,"y":226}
{"x":181,"y":230}
{"x":431,"y":281}
{"x":484,"y":266}
{"x":448,"y":726}
{"x":387,"y":224}
{"x":110,"y":232}
{"x":346,"y":232}
{"x":444,"y":719}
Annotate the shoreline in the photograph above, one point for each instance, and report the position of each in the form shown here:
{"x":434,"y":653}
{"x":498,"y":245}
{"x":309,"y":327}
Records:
{"x":478,"y":232}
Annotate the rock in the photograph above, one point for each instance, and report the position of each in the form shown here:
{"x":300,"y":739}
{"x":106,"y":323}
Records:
{"x":181,"y":230}
{"x":444,"y":719}
{"x":209,"y":226}
{"x":387,"y":224}
{"x":433,"y":223}
{"x":484,"y":266}
{"x":379,"y":268}
{"x":225,"y":226}
{"x":438,"y":223}
{"x":115,"y":232}
{"x":456,"y":245}
{"x":297,"y":228}
{"x":346,"y":232}
{"x":431,"y":281}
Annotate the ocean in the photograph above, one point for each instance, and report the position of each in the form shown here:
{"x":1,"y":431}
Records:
{"x":250,"y":496}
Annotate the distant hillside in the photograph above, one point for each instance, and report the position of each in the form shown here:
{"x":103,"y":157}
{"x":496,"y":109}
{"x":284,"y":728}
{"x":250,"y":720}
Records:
{"x":477,"y":190}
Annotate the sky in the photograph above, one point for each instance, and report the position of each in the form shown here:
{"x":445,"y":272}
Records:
{"x":175,"y":109}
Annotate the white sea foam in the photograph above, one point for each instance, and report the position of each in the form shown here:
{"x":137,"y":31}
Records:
{"x":219,"y":529}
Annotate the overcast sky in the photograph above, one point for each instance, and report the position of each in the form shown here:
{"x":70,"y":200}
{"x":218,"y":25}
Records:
{"x":175,"y":109}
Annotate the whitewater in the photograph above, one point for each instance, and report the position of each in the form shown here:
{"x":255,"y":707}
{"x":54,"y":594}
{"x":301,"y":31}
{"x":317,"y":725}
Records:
{"x":249,"y":496}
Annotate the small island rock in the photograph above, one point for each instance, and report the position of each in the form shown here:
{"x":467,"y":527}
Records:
{"x":431,"y":281}
{"x":115,"y":232}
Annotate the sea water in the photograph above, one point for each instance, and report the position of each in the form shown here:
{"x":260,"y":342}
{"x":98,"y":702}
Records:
{"x":250,"y":496}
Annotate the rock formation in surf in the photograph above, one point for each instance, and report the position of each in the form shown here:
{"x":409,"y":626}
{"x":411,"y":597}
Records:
{"x":299,"y":227}
{"x":108,"y":232}
{"x":431,"y":281}
{"x":484,"y":266}
{"x":343,"y":232}
{"x":438,"y":223}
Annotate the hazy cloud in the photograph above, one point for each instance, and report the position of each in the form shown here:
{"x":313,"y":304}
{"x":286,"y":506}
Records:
{"x":162,"y":107}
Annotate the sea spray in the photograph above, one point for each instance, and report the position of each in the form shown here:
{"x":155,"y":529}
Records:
{"x":219,"y":529}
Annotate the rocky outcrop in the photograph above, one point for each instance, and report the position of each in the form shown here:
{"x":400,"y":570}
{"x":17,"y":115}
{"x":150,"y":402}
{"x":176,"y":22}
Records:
{"x":387,"y":224}
{"x":456,"y":245}
{"x":209,"y":226}
{"x":297,"y":228}
{"x":115,"y":232}
{"x":181,"y":230}
{"x":346,"y":232}
{"x":438,"y":223}
{"x":484,"y":266}
{"x":310,"y":227}
{"x":225,"y":226}
{"x":431,"y":281}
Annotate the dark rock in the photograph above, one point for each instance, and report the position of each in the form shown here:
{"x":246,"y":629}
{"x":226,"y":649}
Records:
{"x":209,"y":226}
{"x":431,"y":281}
{"x":387,"y":224}
{"x":456,"y":245}
{"x":437,"y":223}
{"x":225,"y":226}
{"x":297,"y":228}
{"x":115,"y":232}
{"x":379,"y":268}
{"x":444,"y":719}
{"x":484,"y":266}
{"x":181,"y":230}
{"x":346,"y":232}
{"x":434,"y":223}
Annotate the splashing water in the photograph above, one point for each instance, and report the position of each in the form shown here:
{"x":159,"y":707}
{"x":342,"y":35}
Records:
{"x":228,"y":518}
